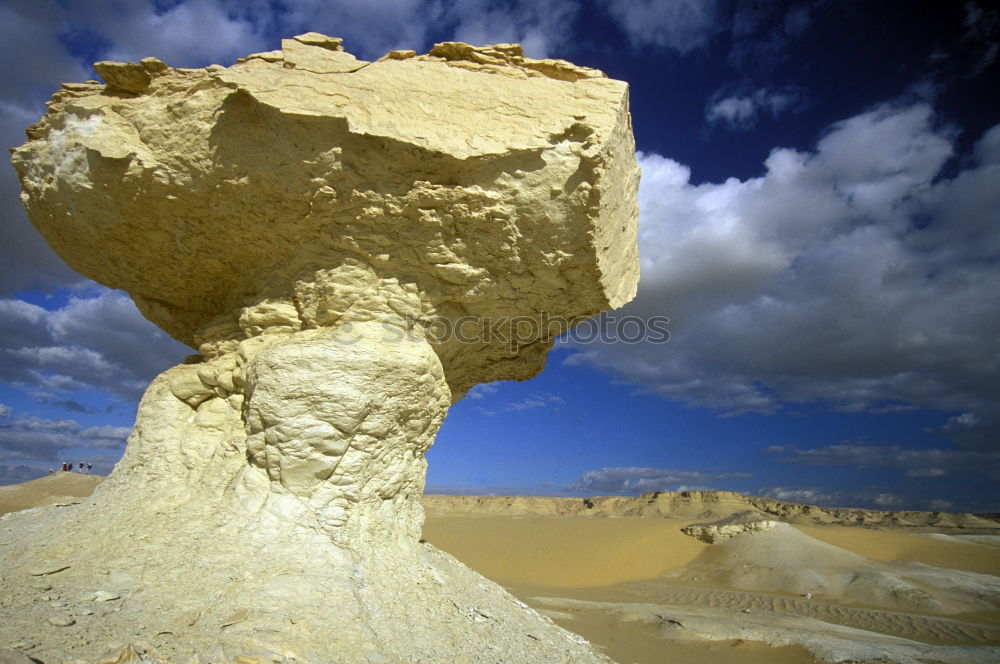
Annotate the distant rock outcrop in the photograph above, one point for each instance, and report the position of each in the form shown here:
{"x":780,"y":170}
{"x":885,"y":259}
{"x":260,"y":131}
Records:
{"x":350,"y":246}
{"x":732,"y":525}
{"x":701,"y":505}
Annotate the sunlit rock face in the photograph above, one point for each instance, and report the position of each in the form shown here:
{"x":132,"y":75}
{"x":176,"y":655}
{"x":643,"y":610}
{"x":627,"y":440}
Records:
{"x":350,"y":246}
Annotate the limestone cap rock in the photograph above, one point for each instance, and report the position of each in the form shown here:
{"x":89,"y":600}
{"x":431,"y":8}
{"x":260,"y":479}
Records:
{"x":468,"y":185}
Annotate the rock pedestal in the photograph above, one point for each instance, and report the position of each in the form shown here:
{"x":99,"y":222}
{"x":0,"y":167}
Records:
{"x":350,"y":246}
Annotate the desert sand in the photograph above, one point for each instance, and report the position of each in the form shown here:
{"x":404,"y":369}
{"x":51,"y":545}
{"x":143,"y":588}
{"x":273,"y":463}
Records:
{"x":62,"y":488}
{"x":643,"y":591}
{"x":565,"y":552}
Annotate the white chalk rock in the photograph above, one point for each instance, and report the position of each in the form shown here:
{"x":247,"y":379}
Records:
{"x":350,"y":246}
{"x":730,"y":526}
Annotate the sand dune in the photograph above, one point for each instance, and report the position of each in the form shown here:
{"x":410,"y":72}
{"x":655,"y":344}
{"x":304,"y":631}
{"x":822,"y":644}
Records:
{"x":785,"y":560}
{"x":804,"y":593}
{"x":564,"y":552}
{"x":806,"y":639}
{"x":973,"y":553}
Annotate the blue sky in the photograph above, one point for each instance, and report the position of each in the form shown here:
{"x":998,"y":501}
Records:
{"x":820,"y":220}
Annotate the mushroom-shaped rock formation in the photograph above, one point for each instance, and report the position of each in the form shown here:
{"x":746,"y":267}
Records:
{"x":350,"y":246}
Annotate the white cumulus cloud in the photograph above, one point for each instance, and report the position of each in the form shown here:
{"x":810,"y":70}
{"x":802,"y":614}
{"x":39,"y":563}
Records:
{"x":743,"y":111}
{"x":39,"y":439}
{"x":854,"y":274}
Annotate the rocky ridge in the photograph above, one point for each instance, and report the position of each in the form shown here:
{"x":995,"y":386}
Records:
{"x":699,"y":505}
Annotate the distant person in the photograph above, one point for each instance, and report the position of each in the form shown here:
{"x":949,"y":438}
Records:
{"x":81,"y":466}
{"x":89,"y":466}
{"x":64,"y":466}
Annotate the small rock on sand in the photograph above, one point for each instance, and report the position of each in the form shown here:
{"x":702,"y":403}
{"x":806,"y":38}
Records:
{"x":61,"y":621}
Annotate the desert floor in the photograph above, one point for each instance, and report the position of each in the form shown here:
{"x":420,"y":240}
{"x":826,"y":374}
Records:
{"x":642,"y":591}
{"x":55,"y":489}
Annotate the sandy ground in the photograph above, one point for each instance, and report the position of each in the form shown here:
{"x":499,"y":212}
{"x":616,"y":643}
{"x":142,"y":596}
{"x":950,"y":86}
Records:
{"x":950,"y":551}
{"x":564,"y":552}
{"x":58,"y":488}
{"x":636,"y":641}
{"x":644,"y":592}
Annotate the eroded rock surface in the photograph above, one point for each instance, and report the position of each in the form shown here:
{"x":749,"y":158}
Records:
{"x":730,"y":526}
{"x":283,"y":194}
{"x":350,"y":246}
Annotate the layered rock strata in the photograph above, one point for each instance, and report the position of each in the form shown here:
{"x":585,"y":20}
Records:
{"x":350,"y":246}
